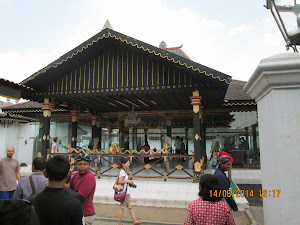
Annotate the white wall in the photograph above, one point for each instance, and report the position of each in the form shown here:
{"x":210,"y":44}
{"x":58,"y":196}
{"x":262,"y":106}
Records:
{"x":15,"y":135}
{"x":276,"y":87}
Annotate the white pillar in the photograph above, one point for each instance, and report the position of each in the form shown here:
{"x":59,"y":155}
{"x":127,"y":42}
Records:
{"x":275,"y":85}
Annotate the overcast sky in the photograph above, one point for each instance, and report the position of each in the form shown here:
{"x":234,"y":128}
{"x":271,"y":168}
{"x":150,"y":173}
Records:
{"x":230,"y":36}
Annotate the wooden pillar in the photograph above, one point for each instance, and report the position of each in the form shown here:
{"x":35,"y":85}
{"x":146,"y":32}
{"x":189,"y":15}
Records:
{"x":39,"y":145}
{"x":46,"y":107}
{"x":187,"y":140}
{"x":94,"y":127}
{"x":197,"y":116}
{"x":75,"y":115}
{"x":254,"y":126}
{"x":169,"y":127}
{"x":121,"y":134}
{"x":99,"y":132}
{"x":146,"y":135}
{"x":247,"y":137}
{"x":109,"y":136}
{"x":202,"y":135}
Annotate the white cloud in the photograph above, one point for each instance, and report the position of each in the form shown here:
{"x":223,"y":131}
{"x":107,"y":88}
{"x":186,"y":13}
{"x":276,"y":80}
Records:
{"x":241,"y":29}
{"x":208,"y":41}
{"x":17,"y":66}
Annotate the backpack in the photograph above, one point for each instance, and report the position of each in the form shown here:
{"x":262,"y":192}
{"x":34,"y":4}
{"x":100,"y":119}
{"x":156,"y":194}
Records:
{"x":91,"y":144}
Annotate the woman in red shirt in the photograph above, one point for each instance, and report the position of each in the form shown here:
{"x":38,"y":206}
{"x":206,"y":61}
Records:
{"x":209,"y":209}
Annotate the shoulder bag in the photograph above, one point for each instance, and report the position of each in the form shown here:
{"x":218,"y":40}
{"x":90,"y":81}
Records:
{"x":32,"y":196}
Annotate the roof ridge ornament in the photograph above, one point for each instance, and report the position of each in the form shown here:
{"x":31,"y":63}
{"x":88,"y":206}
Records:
{"x":162,"y":45}
{"x":107,"y":25}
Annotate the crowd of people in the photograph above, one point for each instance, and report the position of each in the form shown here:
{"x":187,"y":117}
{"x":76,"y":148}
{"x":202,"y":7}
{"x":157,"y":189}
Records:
{"x":54,"y":194}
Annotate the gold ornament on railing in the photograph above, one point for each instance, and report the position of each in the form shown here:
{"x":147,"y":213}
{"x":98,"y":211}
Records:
{"x":115,"y":149}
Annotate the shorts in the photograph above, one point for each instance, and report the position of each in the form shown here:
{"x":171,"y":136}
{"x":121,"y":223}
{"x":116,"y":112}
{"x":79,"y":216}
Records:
{"x":89,"y":220}
{"x":127,"y":203}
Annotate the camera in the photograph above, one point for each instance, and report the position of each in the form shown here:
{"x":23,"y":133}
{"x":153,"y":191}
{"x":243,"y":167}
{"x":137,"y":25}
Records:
{"x":133,"y":185}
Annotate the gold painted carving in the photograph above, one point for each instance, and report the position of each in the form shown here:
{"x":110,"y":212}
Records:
{"x":115,"y":148}
{"x":179,"y":167}
{"x":73,"y":139}
{"x":169,"y":122}
{"x":44,"y":137}
{"x":197,"y":167}
{"x":47,"y":113}
{"x":147,"y":166}
{"x":197,"y":137}
{"x":114,"y":166}
{"x":75,"y":115}
{"x":98,"y":123}
{"x":165,"y":175}
{"x":48,"y":137}
{"x":94,"y":120}
{"x":195,"y":108}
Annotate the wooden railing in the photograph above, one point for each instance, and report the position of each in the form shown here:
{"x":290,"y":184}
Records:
{"x":144,"y":164}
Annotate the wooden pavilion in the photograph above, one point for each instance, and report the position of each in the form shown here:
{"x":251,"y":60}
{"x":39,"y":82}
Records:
{"x":111,"y":74}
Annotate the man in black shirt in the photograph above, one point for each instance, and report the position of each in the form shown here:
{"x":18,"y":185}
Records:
{"x":54,"y":205}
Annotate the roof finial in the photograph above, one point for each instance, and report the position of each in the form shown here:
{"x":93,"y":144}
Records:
{"x":107,"y":25}
{"x":162,"y":44}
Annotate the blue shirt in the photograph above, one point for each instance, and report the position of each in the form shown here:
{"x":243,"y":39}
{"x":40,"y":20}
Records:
{"x":24,"y":190}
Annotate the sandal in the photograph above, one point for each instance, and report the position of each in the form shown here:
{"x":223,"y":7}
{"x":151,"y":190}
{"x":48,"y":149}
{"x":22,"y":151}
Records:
{"x":137,"y":223}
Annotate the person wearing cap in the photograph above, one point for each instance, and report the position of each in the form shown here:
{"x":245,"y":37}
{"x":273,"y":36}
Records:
{"x":224,"y":162}
{"x":221,"y":153}
{"x":82,"y":186}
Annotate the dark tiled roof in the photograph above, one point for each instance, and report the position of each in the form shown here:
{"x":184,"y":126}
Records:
{"x":23,"y":105}
{"x":97,"y":41}
{"x":12,"y":84}
{"x":235,"y":91}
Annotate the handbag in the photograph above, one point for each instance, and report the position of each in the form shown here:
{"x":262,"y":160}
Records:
{"x":120,"y":197}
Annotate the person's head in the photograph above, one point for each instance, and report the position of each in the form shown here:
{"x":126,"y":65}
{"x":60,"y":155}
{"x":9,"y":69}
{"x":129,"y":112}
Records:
{"x":10,"y":151}
{"x":224,"y":162}
{"x":207,"y":187}
{"x":168,"y":141}
{"x":38,"y":164}
{"x":216,"y":146}
{"x":57,"y":168}
{"x":124,"y":163}
{"x":16,"y":212}
{"x":83,"y":163}
{"x":55,"y":139}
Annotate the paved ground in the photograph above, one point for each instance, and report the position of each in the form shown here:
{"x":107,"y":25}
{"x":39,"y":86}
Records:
{"x":107,"y":214}
{"x":166,"y":215}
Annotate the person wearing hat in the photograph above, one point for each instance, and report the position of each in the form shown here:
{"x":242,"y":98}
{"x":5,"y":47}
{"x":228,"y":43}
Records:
{"x":224,"y":162}
{"x":82,"y":186}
